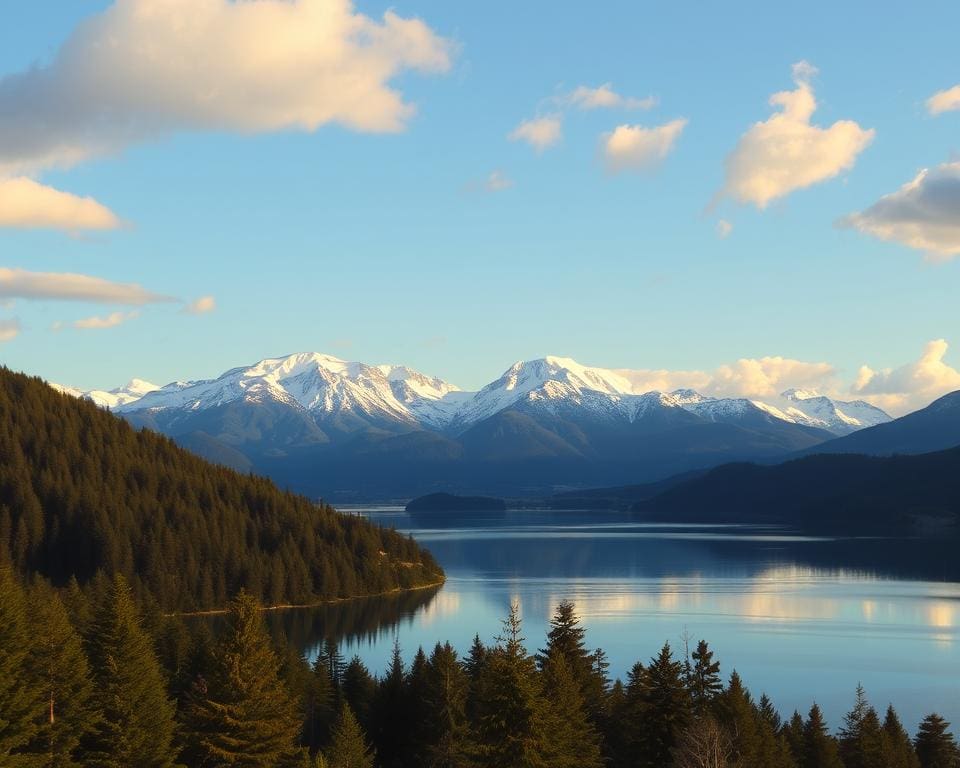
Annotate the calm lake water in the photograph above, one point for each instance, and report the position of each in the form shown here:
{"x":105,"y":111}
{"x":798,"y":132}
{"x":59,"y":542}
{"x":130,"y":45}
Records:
{"x":800,"y":618}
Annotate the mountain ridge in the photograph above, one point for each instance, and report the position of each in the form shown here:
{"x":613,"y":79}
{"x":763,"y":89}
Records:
{"x":312,"y":420}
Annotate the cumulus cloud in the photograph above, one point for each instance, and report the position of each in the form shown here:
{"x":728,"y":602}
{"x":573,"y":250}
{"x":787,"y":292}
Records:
{"x":27,"y":204}
{"x":9,"y":329}
{"x":201,"y":306}
{"x":637,"y":148}
{"x":109,"y":321}
{"x":913,"y":385}
{"x":604,"y":97}
{"x":769,"y":376}
{"x":923,"y":214}
{"x":896,"y":390}
{"x":944,"y":101}
{"x":539,"y":132}
{"x":786,"y":152}
{"x":143,"y":68}
{"x":724,"y":228}
{"x":65,"y":286}
{"x":763,"y":377}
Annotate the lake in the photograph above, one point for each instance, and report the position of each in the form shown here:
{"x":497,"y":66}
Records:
{"x":800,"y":618}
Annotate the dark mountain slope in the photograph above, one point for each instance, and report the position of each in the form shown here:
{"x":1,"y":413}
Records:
{"x":848,"y":493}
{"x":933,"y":428}
{"x":82,"y":492}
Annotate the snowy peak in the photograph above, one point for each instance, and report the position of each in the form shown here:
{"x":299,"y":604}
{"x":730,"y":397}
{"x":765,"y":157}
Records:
{"x":325,"y":386}
{"x":841,"y":417}
{"x":320,"y":384}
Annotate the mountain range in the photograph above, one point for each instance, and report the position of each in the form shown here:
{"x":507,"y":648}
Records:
{"x":338,"y":429}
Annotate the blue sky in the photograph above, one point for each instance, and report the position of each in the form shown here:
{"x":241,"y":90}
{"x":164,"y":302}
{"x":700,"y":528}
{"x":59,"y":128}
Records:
{"x":387,"y":246}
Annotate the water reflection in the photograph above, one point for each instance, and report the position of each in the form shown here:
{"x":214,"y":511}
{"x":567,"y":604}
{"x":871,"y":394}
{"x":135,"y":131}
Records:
{"x":799,"y":617}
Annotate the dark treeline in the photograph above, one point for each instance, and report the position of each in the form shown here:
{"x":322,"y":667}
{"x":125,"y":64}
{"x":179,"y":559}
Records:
{"x":82,"y":493}
{"x":89,"y":681}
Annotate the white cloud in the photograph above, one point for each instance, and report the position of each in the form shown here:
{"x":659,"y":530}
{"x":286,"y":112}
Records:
{"x":201,"y":306}
{"x":26,"y":204}
{"x":64,"y":286}
{"x":143,"y":68}
{"x":110,"y":321}
{"x":724,"y":228}
{"x":944,"y":101}
{"x":786,"y":152}
{"x":9,"y":329}
{"x":923,"y":214}
{"x":637,"y":148}
{"x":748,"y":377}
{"x":897,"y":390}
{"x":910,"y":386}
{"x":539,"y":132}
{"x":604,"y":97}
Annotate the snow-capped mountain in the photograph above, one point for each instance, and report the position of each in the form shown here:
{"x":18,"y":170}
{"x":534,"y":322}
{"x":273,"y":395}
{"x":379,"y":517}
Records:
{"x":841,"y":417}
{"x":130,"y":392}
{"x":325,"y":385}
{"x":317,"y":383}
{"x":312,"y":420}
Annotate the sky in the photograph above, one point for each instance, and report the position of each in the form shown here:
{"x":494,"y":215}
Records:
{"x":762,"y":195}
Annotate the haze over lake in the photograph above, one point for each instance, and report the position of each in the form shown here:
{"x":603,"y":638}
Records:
{"x":797,"y":616}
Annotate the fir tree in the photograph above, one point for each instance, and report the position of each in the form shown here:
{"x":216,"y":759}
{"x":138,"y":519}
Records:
{"x":58,"y":661}
{"x":819,"y":747}
{"x":510,"y":712}
{"x":22,"y":699}
{"x":665,"y":708}
{"x":898,"y":750}
{"x":319,"y":707}
{"x":242,"y":714}
{"x":793,"y":734}
{"x":705,"y":682}
{"x":572,"y":739}
{"x":349,"y":748}
{"x":392,"y":714}
{"x":137,"y":721}
{"x":359,"y":690}
{"x":860,"y":742}
{"x":935,"y":745}
{"x":445,"y":699}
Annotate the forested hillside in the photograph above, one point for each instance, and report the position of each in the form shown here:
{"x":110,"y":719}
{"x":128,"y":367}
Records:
{"x":863,"y":495}
{"x":82,"y":492}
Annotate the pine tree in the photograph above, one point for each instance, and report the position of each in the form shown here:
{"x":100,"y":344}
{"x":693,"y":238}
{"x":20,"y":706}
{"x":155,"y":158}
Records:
{"x":935,"y":745}
{"x":898,"y":750}
{"x":348,"y":748}
{"x":819,"y":747}
{"x":510,"y":712}
{"x":58,"y":661}
{"x":705,"y":682}
{"x":22,"y":699}
{"x":137,"y":721}
{"x":242,"y":714}
{"x":739,"y":719}
{"x":392,"y":714}
{"x":769,"y":713}
{"x":568,"y":638}
{"x":861,"y":742}
{"x":793,"y":734}
{"x":320,"y":707}
{"x":359,"y":690}
{"x":445,"y":699}
{"x":665,"y":708}
{"x":572,"y":739}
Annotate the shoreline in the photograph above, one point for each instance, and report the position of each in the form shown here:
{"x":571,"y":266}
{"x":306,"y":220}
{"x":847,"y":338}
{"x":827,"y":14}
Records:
{"x":317,"y":604}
